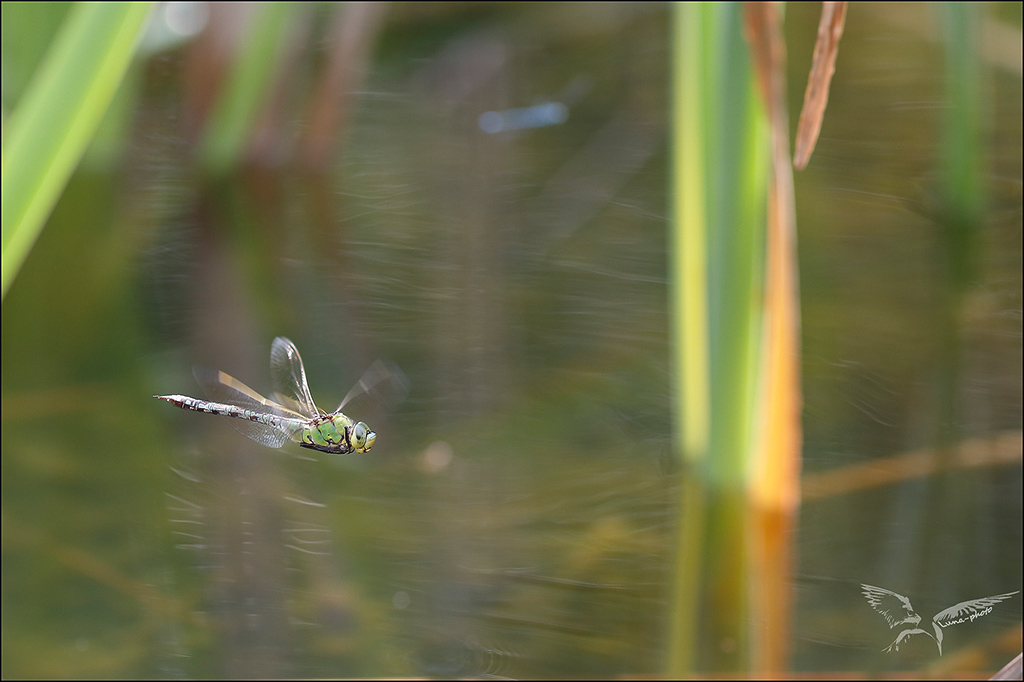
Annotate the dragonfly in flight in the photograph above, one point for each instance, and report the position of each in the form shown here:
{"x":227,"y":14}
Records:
{"x":291,"y":416}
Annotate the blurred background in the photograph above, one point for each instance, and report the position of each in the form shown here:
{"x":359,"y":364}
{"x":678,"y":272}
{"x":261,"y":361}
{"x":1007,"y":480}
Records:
{"x":480,"y":194}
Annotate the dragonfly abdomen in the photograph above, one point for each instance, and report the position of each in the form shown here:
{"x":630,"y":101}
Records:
{"x":187,"y":403}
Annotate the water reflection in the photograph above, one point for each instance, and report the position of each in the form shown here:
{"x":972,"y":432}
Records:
{"x":515,"y":517}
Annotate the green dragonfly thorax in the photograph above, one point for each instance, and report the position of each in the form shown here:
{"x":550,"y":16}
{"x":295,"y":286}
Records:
{"x":335,"y":433}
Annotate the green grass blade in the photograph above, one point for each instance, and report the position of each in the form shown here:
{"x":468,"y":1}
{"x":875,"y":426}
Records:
{"x":963,"y":201}
{"x":52,"y":125}
{"x":719,"y":180}
{"x":247,"y":89}
{"x":688,"y":245}
{"x":689,"y":250}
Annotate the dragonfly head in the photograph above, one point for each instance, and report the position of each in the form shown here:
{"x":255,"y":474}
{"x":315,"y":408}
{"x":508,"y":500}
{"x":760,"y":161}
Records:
{"x":362,"y":438}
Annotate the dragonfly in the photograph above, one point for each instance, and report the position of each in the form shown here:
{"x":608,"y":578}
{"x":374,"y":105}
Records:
{"x":291,"y":416}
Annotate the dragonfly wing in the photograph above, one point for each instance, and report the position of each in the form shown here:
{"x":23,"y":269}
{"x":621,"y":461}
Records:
{"x":383,"y":380}
{"x":224,"y":388}
{"x":289,"y":376}
{"x":287,"y":402}
{"x":264,"y":434}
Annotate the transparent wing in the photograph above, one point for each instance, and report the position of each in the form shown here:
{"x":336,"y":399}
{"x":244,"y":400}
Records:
{"x":383,"y":381}
{"x":289,"y":377}
{"x":224,"y":388}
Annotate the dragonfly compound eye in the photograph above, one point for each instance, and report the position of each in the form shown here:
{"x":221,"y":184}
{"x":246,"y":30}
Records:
{"x":359,"y":436}
{"x":362,"y":437}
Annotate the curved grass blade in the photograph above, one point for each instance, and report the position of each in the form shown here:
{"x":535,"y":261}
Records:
{"x":57,"y":116}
